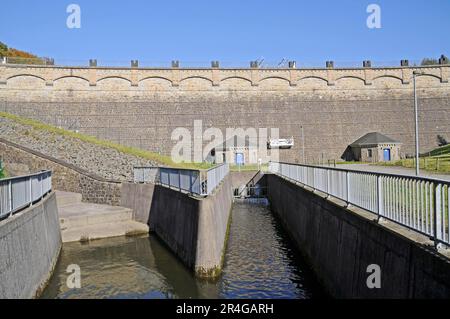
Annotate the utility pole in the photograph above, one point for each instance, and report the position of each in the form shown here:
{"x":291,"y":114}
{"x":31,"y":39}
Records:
{"x":416,"y":118}
{"x":303,"y":145}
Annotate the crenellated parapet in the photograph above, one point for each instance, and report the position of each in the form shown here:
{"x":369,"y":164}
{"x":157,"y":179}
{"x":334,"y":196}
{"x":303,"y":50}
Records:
{"x":216,"y":76}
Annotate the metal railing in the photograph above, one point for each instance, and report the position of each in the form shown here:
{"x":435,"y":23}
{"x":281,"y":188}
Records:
{"x":17,"y":193}
{"x":199,"y":182}
{"x":282,"y":63}
{"x":214,"y":176}
{"x":418,"y":203}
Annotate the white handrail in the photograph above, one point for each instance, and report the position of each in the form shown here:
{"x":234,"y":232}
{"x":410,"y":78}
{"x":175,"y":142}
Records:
{"x":418,"y":203}
{"x":199,"y":182}
{"x":19,"y":192}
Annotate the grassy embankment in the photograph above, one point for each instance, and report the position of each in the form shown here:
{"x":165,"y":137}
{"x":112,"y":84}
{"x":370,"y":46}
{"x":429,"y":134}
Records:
{"x":437,"y":160}
{"x":161,"y":159}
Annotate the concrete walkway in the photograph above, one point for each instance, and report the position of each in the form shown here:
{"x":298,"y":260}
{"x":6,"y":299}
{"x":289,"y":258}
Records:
{"x":84,"y":221}
{"x":393,"y":170}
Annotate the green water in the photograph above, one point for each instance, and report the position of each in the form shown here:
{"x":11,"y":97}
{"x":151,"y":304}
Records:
{"x":260,"y":262}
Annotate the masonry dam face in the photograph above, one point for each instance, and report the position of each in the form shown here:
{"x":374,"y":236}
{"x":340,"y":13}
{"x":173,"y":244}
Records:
{"x":142,"y":107}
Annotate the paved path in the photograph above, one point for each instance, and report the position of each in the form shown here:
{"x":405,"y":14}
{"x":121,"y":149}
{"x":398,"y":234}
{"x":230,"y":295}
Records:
{"x":393,"y":170}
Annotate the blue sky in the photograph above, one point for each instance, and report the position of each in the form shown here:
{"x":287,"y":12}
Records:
{"x":232,"y":31}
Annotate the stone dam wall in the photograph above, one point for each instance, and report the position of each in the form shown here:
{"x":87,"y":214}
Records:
{"x":340,"y":244}
{"x":30,"y":242}
{"x":195,"y":229}
{"x":142,"y":107}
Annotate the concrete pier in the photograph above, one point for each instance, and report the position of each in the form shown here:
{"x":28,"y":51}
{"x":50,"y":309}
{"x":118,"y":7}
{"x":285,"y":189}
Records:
{"x":195,"y":229}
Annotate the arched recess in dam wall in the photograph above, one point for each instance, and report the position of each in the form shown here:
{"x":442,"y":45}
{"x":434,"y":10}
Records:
{"x":142,"y":107}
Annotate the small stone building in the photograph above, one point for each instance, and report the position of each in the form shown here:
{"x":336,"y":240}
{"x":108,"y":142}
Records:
{"x":375,"y":147}
{"x":236,"y":151}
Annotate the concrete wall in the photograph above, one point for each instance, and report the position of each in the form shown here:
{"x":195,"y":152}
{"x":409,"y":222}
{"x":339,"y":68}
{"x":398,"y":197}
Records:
{"x":66,"y":177}
{"x":242,"y":178}
{"x":139,"y":198}
{"x":194,"y":229}
{"x":30,"y":242}
{"x":141,"y":107}
{"x":340,"y":244}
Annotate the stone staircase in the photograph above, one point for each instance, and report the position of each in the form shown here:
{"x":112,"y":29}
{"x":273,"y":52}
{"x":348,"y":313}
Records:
{"x":84,"y":221}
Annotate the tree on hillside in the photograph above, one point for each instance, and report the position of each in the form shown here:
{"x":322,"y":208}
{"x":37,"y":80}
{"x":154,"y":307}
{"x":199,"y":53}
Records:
{"x":3,"y":49}
{"x":441,"y":140}
{"x":19,"y":56}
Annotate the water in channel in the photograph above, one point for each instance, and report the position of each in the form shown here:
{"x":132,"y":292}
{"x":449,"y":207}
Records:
{"x":260,"y":262}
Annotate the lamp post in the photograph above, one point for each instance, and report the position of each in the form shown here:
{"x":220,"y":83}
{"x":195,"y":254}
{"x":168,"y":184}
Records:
{"x":416,"y":118}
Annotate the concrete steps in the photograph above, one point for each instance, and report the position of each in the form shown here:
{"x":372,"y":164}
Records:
{"x":85,"y":221}
{"x":105,"y":230}
{"x":85,"y":214}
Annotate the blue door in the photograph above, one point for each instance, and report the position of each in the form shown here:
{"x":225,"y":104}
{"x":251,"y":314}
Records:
{"x":239,"y":159}
{"x":387,"y":155}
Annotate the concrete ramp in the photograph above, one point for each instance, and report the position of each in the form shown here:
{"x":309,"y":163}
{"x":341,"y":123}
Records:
{"x":84,"y":221}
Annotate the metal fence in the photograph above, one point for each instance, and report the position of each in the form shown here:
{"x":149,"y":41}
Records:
{"x":17,"y":193}
{"x":418,"y":203}
{"x":214,"y":176}
{"x":261,"y":63}
{"x":200,"y":182}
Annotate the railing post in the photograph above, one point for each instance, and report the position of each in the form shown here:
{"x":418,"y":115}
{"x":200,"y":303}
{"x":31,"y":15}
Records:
{"x":434,"y":218}
{"x":436,"y":212}
{"x":379,"y":198}
{"x":313,"y":179}
{"x":42,"y":186}
{"x":347,"y":182}
{"x":179,"y":180}
{"x":31,"y":190}
{"x":328,"y":182}
{"x":10,"y":197}
{"x":169,"y":174}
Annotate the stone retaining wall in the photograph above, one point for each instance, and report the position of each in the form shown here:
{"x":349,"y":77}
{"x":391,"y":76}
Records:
{"x":66,"y":177}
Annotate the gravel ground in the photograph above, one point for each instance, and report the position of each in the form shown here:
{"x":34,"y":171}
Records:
{"x":102,"y":161}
